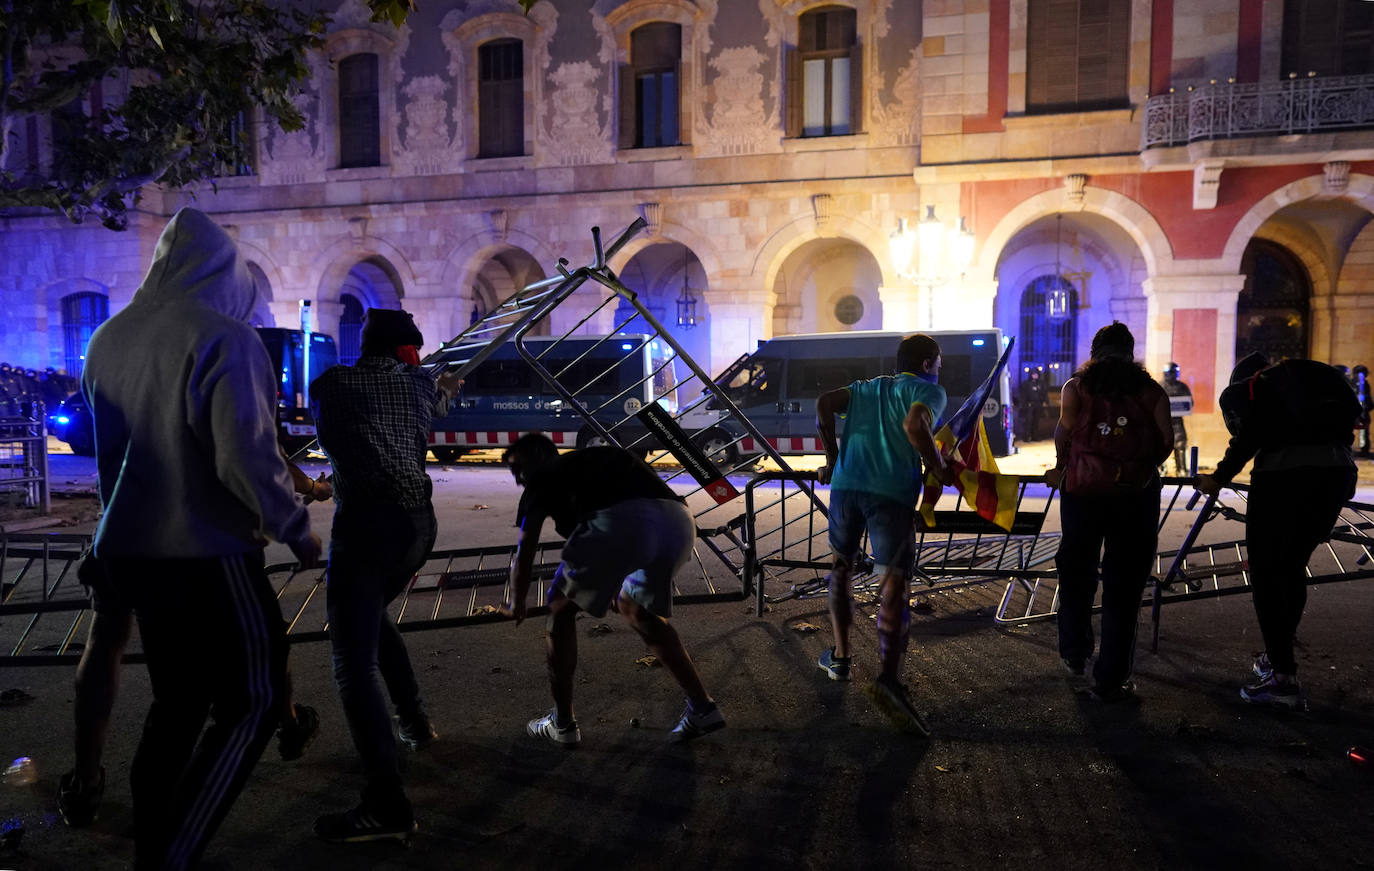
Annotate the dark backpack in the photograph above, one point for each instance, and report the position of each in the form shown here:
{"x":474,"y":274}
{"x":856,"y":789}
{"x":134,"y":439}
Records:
{"x":1113,"y":445}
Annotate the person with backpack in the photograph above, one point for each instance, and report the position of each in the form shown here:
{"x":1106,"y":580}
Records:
{"x":1114,"y":430}
{"x":1297,"y":420}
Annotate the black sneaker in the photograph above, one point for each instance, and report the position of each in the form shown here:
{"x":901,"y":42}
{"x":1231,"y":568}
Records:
{"x":417,"y":732}
{"x":1076,"y":667}
{"x":835,"y":667}
{"x":365,"y":824}
{"x":890,"y":697}
{"x":1112,"y":695}
{"x":1275,"y":693}
{"x":294,"y":736}
{"x":78,"y":800}
{"x":1262,"y":667}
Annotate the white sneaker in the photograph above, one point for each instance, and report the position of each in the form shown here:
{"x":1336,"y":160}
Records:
{"x":547,"y":727}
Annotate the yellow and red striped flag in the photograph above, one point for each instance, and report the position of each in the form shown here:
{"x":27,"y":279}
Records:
{"x":963,"y":442}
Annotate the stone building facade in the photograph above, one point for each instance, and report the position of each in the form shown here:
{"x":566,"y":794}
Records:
{"x":1175,"y":178}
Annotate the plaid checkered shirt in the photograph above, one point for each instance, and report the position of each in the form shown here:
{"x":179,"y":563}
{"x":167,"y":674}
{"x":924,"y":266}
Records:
{"x":373,"y":420}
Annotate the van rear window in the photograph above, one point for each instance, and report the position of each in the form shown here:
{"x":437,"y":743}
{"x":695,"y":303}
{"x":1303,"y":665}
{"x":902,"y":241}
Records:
{"x":808,"y":379}
{"x":956,"y":374}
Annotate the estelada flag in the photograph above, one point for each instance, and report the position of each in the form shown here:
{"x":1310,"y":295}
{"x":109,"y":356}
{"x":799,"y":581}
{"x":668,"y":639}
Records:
{"x":963,"y":442}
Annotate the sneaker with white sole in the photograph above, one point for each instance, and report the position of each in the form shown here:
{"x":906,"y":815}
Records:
{"x":1275,"y":693}
{"x":693,"y":723}
{"x":835,"y":667}
{"x":547,"y":727}
{"x":891,"y":698}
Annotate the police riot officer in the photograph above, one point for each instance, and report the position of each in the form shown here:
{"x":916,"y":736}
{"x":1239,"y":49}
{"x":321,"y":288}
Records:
{"x":1174,"y":387}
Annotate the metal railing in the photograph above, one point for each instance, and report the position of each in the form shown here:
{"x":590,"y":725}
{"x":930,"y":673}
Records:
{"x":1229,"y":110}
{"x":24,"y":463}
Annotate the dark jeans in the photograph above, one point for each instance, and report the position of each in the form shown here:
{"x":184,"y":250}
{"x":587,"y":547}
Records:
{"x":1125,"y":523}
{"x":212,"y":633}
{"x":373,"y":553}
{"x":1290,"y":513}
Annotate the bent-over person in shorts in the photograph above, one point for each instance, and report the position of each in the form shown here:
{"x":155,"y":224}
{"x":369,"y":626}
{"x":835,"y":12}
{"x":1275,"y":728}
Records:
{"x":627,"y":535}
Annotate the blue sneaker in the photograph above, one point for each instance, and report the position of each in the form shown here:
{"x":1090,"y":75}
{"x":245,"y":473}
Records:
{"x":835,"y":667}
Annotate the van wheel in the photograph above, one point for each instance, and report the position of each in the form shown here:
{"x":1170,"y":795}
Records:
{"x":444,"y":455}
{"x":715,"y":444}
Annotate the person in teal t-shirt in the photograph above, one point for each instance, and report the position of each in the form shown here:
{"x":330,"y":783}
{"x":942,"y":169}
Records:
{"x":875,"y":476}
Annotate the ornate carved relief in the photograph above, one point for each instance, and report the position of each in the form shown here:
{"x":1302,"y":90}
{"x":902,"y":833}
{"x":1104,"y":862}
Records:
{"x":576,"y":133}
{"x":1074,"y":186}
{"x":293,"y":158}
{"x":1337,"y":177}
{"x":898,"y":121}
{"x":653,"y":216}
{"x":428,"y":145}
{"x":1207,"y":184}
{"x":737,"y":122}
{"x":821,"y":208}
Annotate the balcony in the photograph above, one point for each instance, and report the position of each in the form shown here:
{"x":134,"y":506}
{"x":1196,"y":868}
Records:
{"x":1230,"y":111}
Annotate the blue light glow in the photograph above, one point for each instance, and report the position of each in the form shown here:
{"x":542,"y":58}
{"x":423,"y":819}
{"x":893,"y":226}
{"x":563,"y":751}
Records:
{"x":626,"y":346}
{"x":977,"y":343}
{"x":64,"y":420}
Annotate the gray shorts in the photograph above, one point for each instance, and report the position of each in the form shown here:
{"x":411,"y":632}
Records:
{"x":633,"y":547}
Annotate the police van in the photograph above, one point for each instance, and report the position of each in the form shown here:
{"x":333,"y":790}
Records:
{"x":297,"y":362}
{"x":504,"y":396}
{"x":776,"y":387}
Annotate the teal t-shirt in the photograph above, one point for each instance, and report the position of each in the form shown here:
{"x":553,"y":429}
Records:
{"x":875,"y":454}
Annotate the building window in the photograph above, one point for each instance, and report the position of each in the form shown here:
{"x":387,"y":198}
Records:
{"x":1049,"y":320}
{"x":650,"y":87}
{"x":825,"y":75}
{"x":1273,"y":309}
{"x":350,"y":330}
{"x":69,"y":124}
{"x":501,"y":98}
{"x":1077,"y":55}
{"x":360,"y":140}
{"x":240,"y":133}
{"x":81,"y":314}
{"x":1328,"y":37}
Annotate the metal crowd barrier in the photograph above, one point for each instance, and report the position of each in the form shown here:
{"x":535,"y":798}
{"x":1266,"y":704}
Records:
{"x":24,"y":463}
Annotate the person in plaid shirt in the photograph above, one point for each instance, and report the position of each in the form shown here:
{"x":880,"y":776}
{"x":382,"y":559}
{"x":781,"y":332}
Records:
{"x":373,"y":421}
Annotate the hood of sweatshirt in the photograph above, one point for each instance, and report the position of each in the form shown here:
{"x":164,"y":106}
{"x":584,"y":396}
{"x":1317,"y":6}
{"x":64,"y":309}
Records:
{"x":196,"y":261}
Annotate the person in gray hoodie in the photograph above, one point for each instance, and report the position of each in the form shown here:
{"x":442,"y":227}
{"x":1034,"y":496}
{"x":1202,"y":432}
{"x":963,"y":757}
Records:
{"x":181,"y":391}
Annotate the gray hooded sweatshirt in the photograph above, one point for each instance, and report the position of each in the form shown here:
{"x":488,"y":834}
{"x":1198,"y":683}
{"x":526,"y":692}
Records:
{"x":183,"y":396}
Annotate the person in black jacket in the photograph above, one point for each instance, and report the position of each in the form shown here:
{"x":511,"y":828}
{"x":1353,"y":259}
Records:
{"x":627,"y":535}
{"x":1297,"y":420}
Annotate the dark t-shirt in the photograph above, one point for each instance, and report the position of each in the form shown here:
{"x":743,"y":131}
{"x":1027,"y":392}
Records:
{"x":578,"y":484}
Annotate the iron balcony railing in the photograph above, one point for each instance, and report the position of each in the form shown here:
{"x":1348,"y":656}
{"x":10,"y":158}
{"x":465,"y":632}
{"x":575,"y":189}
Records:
{"x":1228,"y":110}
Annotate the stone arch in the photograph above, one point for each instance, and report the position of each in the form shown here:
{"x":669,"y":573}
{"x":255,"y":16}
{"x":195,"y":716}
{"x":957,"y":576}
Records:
{"x":465,"y":261}
{"x":1357,"y":270}
{"x":1305,"y":246}
{"x":771,"y":256}
{"x":701,"y":247}
{"x":1132,"y":217}
{"x":258,"y":256}
{"x":1360,"y":190}
{"x":52,"y":295}
{"x":333,"y":264}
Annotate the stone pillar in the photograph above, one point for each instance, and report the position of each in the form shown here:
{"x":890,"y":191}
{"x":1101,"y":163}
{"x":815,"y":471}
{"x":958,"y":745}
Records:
{"x":739,"y":320}
{"x":964,"y":305}
{"x":581,"y":303}
{"x":1191,"y":320}
{"x":903,"y":308}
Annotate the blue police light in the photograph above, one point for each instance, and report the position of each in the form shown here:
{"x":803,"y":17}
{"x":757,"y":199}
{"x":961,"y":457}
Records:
{"x":64,"y":420}
{"x":626,"y":346}
{"x":977,"y":343}
{"x":1006,"y":340}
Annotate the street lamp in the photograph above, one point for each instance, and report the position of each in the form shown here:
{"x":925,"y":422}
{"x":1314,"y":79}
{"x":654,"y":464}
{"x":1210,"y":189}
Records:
{"x":945,"y":253}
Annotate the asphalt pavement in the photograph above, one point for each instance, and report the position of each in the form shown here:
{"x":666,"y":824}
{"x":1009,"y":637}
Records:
{"x":1021,"y":771}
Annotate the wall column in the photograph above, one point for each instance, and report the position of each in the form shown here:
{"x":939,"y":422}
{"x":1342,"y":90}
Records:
{"x":740,"y":319}
{"x":1191,"y":320}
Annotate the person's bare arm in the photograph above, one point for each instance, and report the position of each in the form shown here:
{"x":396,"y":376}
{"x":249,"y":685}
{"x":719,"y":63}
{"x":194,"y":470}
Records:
{"x":917,"y":425}
{"x":1070,"y":404}
{"x":522,"y":570}
{"x":830,"y":403}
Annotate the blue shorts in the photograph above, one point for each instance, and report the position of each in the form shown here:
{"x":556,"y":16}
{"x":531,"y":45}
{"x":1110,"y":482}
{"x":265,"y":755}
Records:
{"x":891,"y":529}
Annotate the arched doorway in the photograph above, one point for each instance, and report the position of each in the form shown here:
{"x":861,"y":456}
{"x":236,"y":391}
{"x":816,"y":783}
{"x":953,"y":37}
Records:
{"x":505,"y":271}
{"x":1049,"y":321}
{"x":828,"y":285}
{"x":1273,"y":311}
{"x":81,"y":314}
{"x":662,"y":274}
{"x":261,"y":315}
{"x":350,"y":342}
